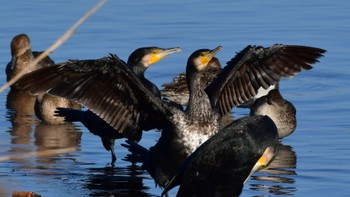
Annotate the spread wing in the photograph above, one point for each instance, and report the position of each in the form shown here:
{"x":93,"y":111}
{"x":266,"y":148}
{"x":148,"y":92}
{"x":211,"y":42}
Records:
{"x":256,"y":67}
{"x":106,"y":86}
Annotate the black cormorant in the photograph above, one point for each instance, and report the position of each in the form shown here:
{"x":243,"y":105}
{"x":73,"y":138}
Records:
{"x":239,"y":81}
{"x":138,"y":61}
{"x":221,"y":165}
{"x":111,"y":90}
{"x":177,"y":90}
{"x":238,"y":146}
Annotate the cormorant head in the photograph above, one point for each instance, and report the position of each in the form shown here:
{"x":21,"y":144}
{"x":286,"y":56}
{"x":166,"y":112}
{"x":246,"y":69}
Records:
{"x":267,"y":157}
{"x":147,"y":56}
{"x":20,"y":44}
{"x":199,"y":59}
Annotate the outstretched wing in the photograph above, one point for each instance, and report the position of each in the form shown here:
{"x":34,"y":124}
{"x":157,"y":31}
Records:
{"x":106,"y":86}
{"x":256,"y":67}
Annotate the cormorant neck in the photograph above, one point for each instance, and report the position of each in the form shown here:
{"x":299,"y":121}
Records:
{"x":138,"y":69}
{"x":199,"y":106}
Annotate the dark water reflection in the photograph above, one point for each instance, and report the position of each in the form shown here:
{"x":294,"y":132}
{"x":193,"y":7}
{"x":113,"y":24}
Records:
{"x":116,"y":181}
{"x":20,"y":112}
{"x":56,"y":136}
{"x":278,"y":178}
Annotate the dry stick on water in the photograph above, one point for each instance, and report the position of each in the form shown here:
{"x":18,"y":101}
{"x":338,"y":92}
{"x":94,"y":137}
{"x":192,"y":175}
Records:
{"x":55,"y":45}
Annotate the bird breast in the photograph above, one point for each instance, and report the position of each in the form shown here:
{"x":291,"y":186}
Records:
{"x":192,"y":134}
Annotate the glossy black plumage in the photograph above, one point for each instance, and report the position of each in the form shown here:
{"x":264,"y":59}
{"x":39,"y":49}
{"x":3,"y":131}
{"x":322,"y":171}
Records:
{"x":220,"y":166}
{"x":112,"y":91}
{"x":256,"y":67}
{"x":138,"y":61}
{"x":250,"y":66}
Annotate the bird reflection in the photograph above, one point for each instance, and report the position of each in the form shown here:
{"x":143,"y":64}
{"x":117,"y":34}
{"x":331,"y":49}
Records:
{"x":117,"y":181}
{"x":20,"y":110}
{"x":56,"y":136}
{"x":278,"y":178}
{"x":49,"y":137}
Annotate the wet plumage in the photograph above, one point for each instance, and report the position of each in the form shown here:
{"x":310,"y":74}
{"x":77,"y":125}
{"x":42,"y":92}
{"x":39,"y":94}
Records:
{"x":252,"y":68}
{"x":138,"y":62}
{"x":220,"y":166}
{"x":112,"y":91}
{"x":239,"y":146}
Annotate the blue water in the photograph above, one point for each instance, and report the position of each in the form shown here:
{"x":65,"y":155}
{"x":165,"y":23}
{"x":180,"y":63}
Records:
{"x":313,"y":161}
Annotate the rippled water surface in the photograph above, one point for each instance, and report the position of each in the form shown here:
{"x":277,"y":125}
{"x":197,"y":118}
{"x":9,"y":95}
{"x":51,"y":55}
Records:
{"x":314,"y":161}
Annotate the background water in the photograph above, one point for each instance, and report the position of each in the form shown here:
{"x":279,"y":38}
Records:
{"x":314,"y":161}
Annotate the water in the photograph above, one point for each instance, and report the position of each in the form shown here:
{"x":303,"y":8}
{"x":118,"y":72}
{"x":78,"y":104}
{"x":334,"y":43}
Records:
{"x":314,"y":161}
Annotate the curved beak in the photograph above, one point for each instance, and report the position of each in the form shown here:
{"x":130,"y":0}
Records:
{"x":215,"y":51}
{"x":267,"y":157}
{"x":162,"y":53}
{"x":169,"y":51}
{"x":205,"y":59}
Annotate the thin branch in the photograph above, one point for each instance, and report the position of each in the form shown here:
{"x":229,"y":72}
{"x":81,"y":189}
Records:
{"x":55,"y":45}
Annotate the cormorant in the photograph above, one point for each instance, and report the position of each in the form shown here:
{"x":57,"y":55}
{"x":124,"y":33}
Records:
{"x":221,"y":165}
{"x":22,"y":57}
{"x":138,"y":62}
{"x":281,"y":111}
{"x":239,"y":81}
{"x":177,"y":90}
{"x":46,"y":105}
{"x":111,"y":90}
{"x":239,"y":146}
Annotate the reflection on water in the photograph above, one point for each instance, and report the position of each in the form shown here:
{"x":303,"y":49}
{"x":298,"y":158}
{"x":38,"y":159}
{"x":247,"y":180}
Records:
{"x":20,"y":111}
{"x":116,"y":181}
{"x":56,"y":136}
{"x":278,"y":178}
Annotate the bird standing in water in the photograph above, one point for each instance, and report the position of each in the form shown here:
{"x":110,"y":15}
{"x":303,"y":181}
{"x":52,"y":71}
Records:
{"x":251,"y":69}
{"x":221,"y":165}
{"x":239,"y":147}
{"x":114,"y":92}
{"x":22,"y":57}
{"x":139,"y":61}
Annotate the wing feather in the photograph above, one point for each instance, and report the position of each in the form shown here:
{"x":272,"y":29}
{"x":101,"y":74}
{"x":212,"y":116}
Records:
{"x":256,"y":67}
{"x":106,"y":86}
